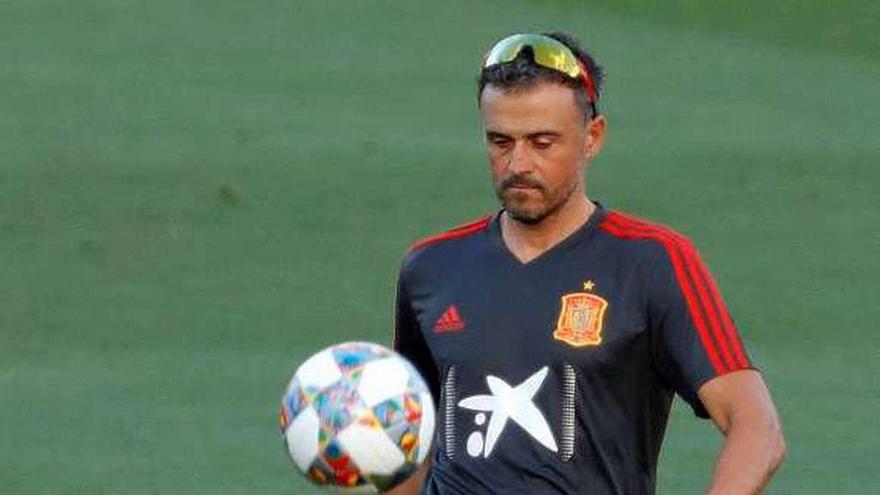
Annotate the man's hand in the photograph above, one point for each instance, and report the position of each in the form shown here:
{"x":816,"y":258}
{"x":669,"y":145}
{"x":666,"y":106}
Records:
{"x":740,"y":405}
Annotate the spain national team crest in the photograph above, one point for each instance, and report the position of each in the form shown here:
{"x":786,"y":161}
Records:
{"x":580,"y":320}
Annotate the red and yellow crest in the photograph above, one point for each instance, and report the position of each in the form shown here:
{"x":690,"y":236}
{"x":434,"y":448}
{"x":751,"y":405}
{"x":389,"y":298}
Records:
{"x":580,"y":320}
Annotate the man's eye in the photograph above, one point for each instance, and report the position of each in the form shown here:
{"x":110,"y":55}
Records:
{"x":500,"y":142}
{"x":542,"y":143}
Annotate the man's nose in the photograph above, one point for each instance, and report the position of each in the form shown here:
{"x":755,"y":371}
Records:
{"x":520,"y":159}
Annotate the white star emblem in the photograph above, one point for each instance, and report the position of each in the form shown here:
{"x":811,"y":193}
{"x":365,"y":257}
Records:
{"x":513,"y":403}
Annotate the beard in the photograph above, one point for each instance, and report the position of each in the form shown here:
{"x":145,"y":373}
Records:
{"x":516,"y":203}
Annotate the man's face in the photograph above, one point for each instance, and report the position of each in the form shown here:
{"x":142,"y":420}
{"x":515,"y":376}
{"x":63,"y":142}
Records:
{"x":537,"y":144}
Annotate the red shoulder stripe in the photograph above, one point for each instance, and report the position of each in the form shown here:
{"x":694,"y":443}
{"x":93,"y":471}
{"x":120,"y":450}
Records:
{"x":722,"y":324}
{"x":609,"y":225}
{"x":627,"y":220}
{"x":454,"y":233}
{"x":708,"y":291}
{"x":697,"y":285}
{"x":727,"y":322}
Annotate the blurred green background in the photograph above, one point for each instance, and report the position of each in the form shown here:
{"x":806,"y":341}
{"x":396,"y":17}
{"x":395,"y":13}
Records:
{"x":196,"y":195}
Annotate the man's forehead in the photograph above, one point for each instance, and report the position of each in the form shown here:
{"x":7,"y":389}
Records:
{"x":529,"y":109}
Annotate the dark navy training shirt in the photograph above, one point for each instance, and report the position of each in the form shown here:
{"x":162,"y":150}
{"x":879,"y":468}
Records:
{"x":557,"y":375}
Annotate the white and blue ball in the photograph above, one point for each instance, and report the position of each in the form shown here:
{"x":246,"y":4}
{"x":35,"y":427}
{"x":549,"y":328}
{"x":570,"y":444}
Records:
{"x":357,"y":416}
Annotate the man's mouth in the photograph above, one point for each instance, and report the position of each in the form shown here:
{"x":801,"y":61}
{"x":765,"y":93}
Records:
{"x":523,"y":185}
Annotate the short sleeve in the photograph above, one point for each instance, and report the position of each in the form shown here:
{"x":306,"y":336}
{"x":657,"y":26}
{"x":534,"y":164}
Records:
{"x":693,"y":336}
{"x":410,"y":342}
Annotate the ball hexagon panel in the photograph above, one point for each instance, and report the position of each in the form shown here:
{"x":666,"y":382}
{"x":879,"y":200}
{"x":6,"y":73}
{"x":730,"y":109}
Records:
{"x":318,"y":372}
{"x":383,"y":379}
{"x":302,"y":438}
{"x":371,"y":449}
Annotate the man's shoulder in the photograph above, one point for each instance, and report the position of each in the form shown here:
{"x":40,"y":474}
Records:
{"x":447,"y":242}
{"x":641,"y":233}
{"x":653,"y":246}
{"x":457,"y":232}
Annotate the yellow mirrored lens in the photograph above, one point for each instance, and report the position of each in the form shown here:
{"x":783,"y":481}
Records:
{"x":557,"y":58}
{"x":548,"y":52}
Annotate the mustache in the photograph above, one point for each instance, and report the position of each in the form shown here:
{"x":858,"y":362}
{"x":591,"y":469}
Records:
{"x":521,"y":181}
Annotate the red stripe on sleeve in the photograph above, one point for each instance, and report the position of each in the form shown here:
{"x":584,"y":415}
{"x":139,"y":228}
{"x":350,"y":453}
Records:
{"x":460,"y":231}
{"x":740,"y":361}
{"x":711,"y":304}
{"x":723,"y":327}
{"x":611,"y":226}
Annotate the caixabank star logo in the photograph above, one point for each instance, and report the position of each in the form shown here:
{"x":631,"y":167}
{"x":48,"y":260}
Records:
{"x":581,"y":319}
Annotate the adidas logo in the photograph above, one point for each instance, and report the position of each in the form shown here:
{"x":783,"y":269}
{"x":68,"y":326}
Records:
{"x":449,"y":321}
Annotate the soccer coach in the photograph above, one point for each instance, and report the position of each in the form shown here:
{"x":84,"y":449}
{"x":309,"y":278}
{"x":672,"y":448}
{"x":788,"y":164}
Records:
{"x":555,"y":332}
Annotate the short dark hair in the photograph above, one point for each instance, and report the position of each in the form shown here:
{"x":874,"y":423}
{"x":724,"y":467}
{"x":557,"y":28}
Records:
{"x":523,"y":72}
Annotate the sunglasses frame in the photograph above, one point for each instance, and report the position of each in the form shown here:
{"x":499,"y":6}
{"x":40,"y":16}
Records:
{"x":547,"y":52}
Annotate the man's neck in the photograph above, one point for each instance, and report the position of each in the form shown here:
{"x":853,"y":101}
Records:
{"x":528,"y":241}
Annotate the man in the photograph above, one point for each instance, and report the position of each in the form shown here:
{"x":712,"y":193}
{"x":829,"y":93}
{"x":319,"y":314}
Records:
{"x":555,"y":332}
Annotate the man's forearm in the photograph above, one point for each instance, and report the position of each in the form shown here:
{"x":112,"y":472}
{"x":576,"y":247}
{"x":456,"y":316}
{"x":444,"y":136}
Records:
{"x":750,"y":456}
{"x":413,"y":484}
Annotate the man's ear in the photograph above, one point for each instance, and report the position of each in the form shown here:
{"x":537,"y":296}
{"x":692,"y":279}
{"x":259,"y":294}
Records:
{"x":595,"y":137}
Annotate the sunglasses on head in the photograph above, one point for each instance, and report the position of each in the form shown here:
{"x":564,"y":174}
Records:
{"x":546,"y":52}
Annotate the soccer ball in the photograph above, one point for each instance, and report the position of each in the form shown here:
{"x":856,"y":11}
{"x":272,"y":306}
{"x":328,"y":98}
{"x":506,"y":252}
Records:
{"x":357,"y":416}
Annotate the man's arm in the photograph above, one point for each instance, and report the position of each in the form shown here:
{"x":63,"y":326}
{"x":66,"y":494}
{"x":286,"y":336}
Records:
{"x":413,"y":484}
{"x":740,"y":405}
{"x":409,"y":342}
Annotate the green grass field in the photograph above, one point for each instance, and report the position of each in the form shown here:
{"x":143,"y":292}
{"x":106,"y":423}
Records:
{"x":194,"y":196}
